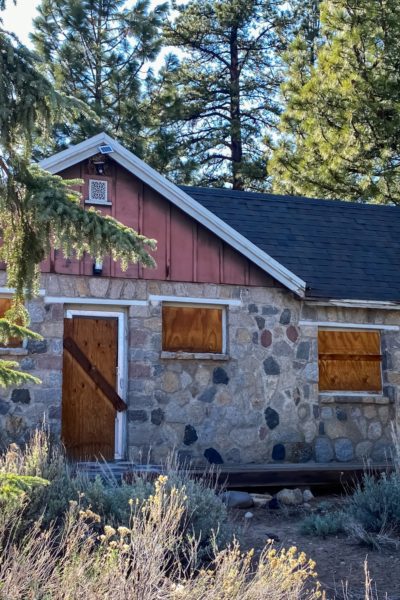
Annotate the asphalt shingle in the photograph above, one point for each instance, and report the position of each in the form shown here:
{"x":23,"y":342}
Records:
{"x":342,"y":250}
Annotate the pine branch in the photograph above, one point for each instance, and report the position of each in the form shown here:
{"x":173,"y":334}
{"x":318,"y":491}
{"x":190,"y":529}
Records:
{"x":11,"y":376}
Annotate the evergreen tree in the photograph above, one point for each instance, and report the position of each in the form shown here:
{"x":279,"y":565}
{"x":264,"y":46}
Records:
{"x":37,"y":209}
{"x":219,"y":100}
{"x":340,"y":132}
{"x":97,"y":51}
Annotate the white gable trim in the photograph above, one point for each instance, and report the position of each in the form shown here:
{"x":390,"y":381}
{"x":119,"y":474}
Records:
{"x":174,"y":194}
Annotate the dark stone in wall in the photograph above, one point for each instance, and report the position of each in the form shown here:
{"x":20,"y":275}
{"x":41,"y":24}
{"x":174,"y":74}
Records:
{"x":266,"y":338}
{"x":321,"y":428}
{"x":157,"y":416}
{"x":37,"y":346}
{"x":208,"y":395}
{"x":137,"y":415}
{"x":296,"y":396}
{"x":190,"y":436}
{"x":278,"y":452}
{"x":300,"y":452}
{"x":341,"y":414}
{"x":271,"y":417}
{"x":285,"y":317}
{"x":343,"y":449}
{"x":255,"y":337}
{"x":260,"y":322}
{"x":291,"y":333}
{"x":27,"y":364}
{"x":157,"y":370}
{"x":213,"y":457}
{"x":253,"y":308}
{"x":21,"y":396}
{"x":270,"y":310}
{"x":220,"y":376}
{"x":271,"y":367}
{"x":316,"y":411}
{"x":4,"y":407}
{"x":389,"y":392}
{"x":303,"y":351}
{"x":323,"y":450}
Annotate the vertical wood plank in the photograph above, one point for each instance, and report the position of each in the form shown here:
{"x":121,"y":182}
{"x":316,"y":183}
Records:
{"x":208,"y":256}
{"x":182,"y":255}
{"x":155,"y":213}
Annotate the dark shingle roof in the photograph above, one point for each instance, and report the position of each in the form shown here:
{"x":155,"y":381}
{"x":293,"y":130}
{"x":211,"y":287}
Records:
{"x":342,"y":250}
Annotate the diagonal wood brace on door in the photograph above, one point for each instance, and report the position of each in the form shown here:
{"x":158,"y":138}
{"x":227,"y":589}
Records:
{"x":80,"y":357}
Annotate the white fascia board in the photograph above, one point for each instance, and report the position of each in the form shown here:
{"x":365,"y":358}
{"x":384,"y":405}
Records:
{"x":344,"y":325}
{"x":6,"y":291}
{"x":74,"y":154}
{"x":93,"y":301}
{"x":382,"y":305}
{"x":153,"y":299}
{"x":179,"y":198}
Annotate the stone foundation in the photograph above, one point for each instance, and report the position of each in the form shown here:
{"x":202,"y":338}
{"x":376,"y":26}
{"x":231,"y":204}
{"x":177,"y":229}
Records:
{"x":258,"y":404}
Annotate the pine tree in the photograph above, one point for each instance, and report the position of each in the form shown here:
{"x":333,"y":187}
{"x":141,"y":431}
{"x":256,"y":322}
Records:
{"x":98,"y":51}
{"x":219,"y":100}
{"x":340,"y":132}
{"x":38,"y":210}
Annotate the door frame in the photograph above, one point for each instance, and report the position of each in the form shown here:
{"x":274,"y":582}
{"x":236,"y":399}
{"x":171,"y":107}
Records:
{"x":122,"y":366}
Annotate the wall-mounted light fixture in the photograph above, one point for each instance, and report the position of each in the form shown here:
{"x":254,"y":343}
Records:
{"x":98,"y":267}
{"x":99,"y":164}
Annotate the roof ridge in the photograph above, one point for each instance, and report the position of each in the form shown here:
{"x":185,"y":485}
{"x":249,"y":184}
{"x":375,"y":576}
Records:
{"x":249,"y":195}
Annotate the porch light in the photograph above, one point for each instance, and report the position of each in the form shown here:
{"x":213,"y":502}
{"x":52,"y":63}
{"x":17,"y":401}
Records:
{"x":98,"y":267}
{"x":99,"y":164}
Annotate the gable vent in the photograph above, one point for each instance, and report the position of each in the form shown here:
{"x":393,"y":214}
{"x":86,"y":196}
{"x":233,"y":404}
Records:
{"x":98,"y":191}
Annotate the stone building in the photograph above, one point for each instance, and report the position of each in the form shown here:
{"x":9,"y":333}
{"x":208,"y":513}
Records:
{"x":269,"y":330}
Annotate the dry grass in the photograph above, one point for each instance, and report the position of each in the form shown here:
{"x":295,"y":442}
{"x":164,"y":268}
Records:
{"x":143,"y":562}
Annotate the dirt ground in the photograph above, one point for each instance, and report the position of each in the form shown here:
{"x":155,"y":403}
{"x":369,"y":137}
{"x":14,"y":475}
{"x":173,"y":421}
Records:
{"x":340,"y":561}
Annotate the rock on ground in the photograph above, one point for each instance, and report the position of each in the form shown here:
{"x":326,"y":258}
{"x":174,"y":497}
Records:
{"x":290,"y":497}
{"x":308,"y":495}
{"x":234,"y":499}
{"x":261,"y":500}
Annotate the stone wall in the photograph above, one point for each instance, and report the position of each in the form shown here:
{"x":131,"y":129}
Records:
{"x":258,"y":404}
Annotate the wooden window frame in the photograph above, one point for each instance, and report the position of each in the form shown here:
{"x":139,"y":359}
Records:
{"x":357,"y":356}
{"x":183,"y":304}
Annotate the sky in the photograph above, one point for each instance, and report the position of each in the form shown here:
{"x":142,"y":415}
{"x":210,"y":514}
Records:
{"x":18,"y":19}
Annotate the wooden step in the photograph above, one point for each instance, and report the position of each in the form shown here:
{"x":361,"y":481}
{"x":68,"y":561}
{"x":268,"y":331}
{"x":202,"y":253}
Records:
{"x":251,"y":475}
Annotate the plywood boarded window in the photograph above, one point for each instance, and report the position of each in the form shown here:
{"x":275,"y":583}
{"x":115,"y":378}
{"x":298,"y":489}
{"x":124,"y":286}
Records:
{"x":192,"y":328}
{"x":5,"y":305}
{"x":349,"y":360}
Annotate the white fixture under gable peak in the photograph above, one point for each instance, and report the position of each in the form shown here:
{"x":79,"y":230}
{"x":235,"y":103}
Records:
{"x":98,"y":191}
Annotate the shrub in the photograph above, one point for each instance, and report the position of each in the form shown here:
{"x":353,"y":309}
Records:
{"x":141,"y":562}
{"x":375,"y":504}
{"x":206,"y":516}
{"x":323,"y":525}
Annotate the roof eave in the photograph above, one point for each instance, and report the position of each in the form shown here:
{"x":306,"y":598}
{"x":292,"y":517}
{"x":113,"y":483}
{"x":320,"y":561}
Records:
{"x":355,"y":303}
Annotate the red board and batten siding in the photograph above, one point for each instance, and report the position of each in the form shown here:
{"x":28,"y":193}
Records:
{"x":186,"y":251}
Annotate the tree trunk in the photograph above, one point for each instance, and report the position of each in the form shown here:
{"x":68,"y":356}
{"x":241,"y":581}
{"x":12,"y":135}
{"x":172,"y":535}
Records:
{"x":235,"y":117}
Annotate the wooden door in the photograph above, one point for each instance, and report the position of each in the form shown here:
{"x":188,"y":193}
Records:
{"x":89,"y":375}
